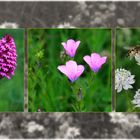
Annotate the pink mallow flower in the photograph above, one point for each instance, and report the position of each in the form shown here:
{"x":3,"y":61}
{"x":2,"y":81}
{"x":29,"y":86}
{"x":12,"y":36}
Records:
{"x":95,"y":61}
{"x":70,"y":47}
{"x":7,"y":57}
{"x":71,"y":70}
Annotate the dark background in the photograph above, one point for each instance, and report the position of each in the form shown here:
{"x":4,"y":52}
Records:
{"x":65,"y":14}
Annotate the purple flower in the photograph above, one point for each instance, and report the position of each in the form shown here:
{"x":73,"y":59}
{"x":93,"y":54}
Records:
{"x":70,"y":47}
{"x":71,"y":70}
{"x":7,"y":57}
{"x":95,"y":61}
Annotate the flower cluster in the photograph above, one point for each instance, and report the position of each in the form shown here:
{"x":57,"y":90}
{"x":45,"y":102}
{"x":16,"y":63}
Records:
{"x":123,"y":80}
{"x":136,"y":100}
{"x":71,"y":69}
{"x":7,"y":57}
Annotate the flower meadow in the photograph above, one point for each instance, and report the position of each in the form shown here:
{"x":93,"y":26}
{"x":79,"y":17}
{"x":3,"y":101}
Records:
{"x":11,"y":70}
{"x":69,"y":70}
{"x":127,"y":70}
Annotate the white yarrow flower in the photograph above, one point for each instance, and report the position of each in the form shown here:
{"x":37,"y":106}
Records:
{"x":123,"y":80}
{"x":136,"y":100}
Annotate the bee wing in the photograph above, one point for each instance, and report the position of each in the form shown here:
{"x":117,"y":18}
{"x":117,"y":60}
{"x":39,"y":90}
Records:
{"x":137,"y":58}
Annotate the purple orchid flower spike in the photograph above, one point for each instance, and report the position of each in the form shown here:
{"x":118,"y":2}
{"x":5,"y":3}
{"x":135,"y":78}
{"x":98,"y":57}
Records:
{"x":95,"y":61}
{"x":7,"y":57}
{"x":71,"y":70}
{"x":70,"y":47}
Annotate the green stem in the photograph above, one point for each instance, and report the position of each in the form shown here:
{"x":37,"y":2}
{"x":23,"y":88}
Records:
{"x":91,"y":79}
{"x":77,"y":92}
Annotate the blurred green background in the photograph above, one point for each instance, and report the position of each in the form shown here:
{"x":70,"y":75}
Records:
{"x":127,"y":38}
{"x":48,"y":89}
{"x":12,"y":91}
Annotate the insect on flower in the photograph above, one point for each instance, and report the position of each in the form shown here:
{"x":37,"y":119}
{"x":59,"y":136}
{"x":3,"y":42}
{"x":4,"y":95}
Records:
{"x":134,"y":52}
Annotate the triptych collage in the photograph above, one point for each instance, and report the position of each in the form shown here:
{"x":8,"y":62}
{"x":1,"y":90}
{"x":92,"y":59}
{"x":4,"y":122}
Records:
{"x":70,"y":70}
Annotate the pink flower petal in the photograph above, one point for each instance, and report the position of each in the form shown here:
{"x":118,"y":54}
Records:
{"x":70,"y":42}
{"x":95,"y":61}
{"x":63,"y":69}
{"x":88,"y":60}
{"x":71,"y":70}
{"x":80,"y":70}
{"x":96,"y":68}
{"x":8,"y":77}
{"x":77,"y":44}
{"x":95,"y":57}
{"x":71,"y":52}
{"x":104,"y":59}
{"x":71,"y":66}
{"x":70,"y":47}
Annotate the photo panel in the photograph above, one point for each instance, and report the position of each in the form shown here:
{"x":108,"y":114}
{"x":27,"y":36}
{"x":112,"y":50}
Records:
{"x":69,"y":70}
{"x":11,"y":70}
{"x":127,"y":73}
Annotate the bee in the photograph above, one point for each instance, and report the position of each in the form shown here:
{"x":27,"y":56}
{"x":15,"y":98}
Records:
{"x":134,"y":52}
